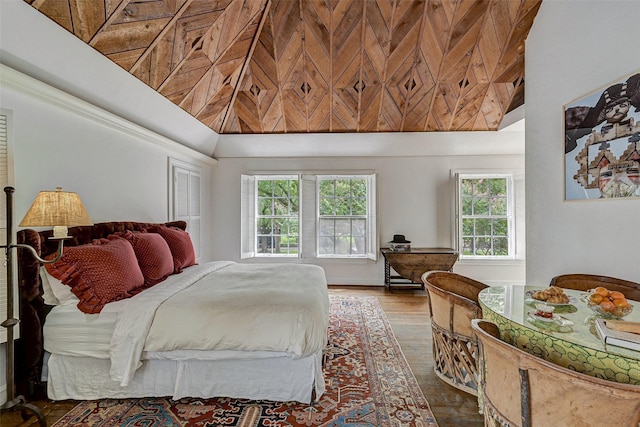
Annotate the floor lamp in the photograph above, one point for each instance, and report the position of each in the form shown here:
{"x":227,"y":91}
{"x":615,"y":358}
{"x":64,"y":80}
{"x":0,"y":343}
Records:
{"x":58,"y":209}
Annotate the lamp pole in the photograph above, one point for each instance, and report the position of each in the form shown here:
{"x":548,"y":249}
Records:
{"x":13,"y":401}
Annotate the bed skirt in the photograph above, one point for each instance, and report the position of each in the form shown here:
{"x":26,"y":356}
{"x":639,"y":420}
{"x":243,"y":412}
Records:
{"x":277,"y":378}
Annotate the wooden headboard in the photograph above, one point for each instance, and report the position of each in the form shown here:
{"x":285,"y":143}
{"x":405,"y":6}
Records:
{"x":29,"y":347}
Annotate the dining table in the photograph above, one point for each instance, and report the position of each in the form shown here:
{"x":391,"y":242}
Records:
{"x":569,"y":339}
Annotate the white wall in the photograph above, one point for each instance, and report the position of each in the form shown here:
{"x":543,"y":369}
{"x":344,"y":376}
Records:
{"x":574,"y":48}
{"x":414,"y":192}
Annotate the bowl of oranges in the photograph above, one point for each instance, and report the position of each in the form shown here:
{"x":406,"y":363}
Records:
{"x":608,"y":304}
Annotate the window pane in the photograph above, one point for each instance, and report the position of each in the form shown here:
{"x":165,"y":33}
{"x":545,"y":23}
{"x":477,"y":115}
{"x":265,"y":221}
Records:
{"x":482,"y":246}
{"x":467,"y":246}
{"x":326,"y":227}
{"x":500,"y":227}
{"x":343,"y":187}
{"x":480,"y":206}
{"x":264,"y":206}
{"x":467,"y":206}
{"x":498,"y":206}
{"x":326,"y":188}
{"x":265,"y":187}
{"x":343,"y":227}
{"x":325,"y":245}
{"x":359,"y":207}
{"x":467,"y":226}
{"x":342,"y":206}
{"x":359,"y":188}
{"x":500,"y":246}
{"x":359,"y":246}
{"x":483,"y":227}
{"x":358,"y":227}
{"x":481,"y":187}
{"x":327,"y":206}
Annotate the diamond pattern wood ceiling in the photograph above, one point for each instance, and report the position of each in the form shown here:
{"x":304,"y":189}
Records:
{"x":276,"y":66}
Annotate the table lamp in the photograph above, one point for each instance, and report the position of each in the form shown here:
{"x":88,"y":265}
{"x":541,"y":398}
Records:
{"x":60,"y":210}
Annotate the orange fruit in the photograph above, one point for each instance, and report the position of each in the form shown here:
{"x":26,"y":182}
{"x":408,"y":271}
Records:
{"x":616,"y":295}
{"x":601,"y":291}
{"x":595,"y":298}
{"x":607,"y":305}
{"x":620,"y":302}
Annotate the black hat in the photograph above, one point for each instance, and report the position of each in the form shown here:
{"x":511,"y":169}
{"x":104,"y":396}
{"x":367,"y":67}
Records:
{"x":399,"y":238}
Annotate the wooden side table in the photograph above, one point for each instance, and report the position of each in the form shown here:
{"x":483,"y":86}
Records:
{"x":411,"y":265}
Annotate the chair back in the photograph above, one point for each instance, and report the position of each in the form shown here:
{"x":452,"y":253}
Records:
{"x":585,"y":282}
{"x":520,"y":389}
{"x":453,"y":302}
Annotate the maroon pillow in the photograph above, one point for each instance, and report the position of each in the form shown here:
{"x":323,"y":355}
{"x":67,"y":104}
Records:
{"x":153,"y":254}
{"x":99,"y":273}
{"x":180,"y":245}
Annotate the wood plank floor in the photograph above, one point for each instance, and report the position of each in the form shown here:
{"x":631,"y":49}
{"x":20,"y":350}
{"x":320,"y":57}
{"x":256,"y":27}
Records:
{"x":408,"y":313}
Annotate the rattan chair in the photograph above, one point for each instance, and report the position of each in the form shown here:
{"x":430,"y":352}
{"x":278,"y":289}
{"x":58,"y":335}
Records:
{"x":453,"y":302}
{"x":585,"y":282}
{"x":520,"y":389}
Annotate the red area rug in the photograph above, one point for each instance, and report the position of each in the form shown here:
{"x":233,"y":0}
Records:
{"x":368,"y":380}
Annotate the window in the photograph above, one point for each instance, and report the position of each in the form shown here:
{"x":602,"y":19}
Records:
{"x":184,"y":202}
{"x":342,"y":216}
{"x":308,"y":216}
{"x":485,"y":225}
{"x":277,"y":216}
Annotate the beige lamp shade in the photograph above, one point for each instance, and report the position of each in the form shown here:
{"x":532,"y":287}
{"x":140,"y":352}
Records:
{"x":56,"y":208}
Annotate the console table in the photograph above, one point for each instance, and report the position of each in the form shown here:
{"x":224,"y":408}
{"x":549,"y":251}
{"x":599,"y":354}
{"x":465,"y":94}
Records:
{"x":411,"y":265}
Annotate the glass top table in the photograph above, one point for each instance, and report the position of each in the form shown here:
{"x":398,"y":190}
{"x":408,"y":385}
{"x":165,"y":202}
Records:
{"x":574,"y":343}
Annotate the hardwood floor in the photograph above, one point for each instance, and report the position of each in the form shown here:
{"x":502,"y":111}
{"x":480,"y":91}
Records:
{"x":407,"y":311}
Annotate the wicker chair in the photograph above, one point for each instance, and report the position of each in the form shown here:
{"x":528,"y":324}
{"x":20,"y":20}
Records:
{"x":519,"y":389}
{"x":453,"y":302}
{"x":585,"y":282}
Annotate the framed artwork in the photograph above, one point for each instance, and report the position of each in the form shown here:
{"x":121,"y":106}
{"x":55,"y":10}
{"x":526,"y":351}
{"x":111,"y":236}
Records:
{"x":602,"y":143}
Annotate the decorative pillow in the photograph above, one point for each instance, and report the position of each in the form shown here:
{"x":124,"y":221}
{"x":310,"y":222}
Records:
{"x":153,"y":254}
{"x":99,"y":273}
{"x":54,"y":291}
{"x":180,"y":245}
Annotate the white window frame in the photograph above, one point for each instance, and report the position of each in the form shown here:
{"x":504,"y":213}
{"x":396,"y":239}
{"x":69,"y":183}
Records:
{"x":185,"y":199}
{"x":308,"y":216}
{"x":514,"y":248}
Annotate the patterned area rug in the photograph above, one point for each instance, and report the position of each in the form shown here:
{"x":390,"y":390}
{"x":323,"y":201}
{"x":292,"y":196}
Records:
{"x":368,"y":380}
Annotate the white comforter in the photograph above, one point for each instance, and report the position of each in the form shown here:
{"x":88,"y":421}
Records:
{"x":224,"y":306}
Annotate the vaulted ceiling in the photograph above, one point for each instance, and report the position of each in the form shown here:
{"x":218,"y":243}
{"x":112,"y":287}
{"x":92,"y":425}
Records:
{"x":285,"y":66}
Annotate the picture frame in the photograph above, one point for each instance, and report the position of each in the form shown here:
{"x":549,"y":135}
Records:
{"x":602,"y":142}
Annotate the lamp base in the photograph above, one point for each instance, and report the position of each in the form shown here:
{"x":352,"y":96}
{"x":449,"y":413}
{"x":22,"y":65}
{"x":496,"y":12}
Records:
{"x":19,"y":402}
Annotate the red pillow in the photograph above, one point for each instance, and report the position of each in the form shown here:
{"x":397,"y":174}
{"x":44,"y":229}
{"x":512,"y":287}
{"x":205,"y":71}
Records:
{"x":99,"y":273}
{"x":153,"y":254}
{"x":180,"y":245}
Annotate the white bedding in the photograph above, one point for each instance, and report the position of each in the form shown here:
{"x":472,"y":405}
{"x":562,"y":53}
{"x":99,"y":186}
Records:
{"x":241,"y":311}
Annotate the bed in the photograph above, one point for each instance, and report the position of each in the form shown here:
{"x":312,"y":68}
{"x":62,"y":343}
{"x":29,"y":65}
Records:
{"x":215,"y":329}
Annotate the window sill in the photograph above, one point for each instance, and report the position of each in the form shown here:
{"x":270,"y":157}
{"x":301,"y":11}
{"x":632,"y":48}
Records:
{"x":494,"y":262}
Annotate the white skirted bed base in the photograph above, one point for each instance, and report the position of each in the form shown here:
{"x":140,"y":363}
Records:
{"x":221,"y":329}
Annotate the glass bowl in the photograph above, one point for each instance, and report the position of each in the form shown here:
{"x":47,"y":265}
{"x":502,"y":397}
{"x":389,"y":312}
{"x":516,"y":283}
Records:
{"x":613,"y":313}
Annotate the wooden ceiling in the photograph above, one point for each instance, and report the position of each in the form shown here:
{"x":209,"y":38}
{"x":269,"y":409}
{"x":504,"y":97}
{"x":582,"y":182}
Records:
{"x":276,"y":66}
